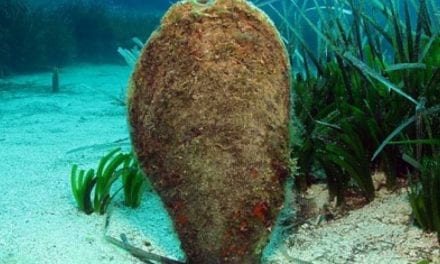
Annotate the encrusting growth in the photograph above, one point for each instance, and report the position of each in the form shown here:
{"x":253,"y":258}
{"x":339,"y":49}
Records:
{"x":209,"y":114}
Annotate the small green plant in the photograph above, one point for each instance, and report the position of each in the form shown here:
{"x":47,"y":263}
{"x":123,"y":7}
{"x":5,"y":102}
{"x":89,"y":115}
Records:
{"x":82,"y":184}
{"x":424,"y":196}
{"x":106,"y":175}
{"x":134,"y":182}
{"x":110,"y":168}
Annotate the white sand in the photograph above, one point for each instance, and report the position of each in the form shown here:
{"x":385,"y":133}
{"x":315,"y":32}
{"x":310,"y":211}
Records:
{"x":380,"y":232}
{"x":39,"y":222}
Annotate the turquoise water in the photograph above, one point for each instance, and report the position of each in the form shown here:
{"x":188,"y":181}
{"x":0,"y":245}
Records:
{"x":43,"y":133}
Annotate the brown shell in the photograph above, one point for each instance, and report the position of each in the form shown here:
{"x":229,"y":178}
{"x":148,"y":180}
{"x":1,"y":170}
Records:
{"x":209,"y":113}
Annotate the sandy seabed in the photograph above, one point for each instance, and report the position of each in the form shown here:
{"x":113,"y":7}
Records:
{"x":42,"y":134}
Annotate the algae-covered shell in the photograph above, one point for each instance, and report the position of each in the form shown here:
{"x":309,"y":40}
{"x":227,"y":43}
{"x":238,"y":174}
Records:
{"x":209,"y":113}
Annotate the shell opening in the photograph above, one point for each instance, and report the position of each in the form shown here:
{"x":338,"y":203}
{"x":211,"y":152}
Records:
{"x":204,"y":2}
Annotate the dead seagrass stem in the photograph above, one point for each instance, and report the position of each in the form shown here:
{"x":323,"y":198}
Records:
{"x":209,"y":113}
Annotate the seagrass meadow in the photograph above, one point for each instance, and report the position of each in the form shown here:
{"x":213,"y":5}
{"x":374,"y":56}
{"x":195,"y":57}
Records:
{"x":376,"y":70}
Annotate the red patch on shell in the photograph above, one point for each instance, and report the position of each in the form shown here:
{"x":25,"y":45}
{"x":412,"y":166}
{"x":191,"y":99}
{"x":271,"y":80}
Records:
{"x":261,"y":212}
